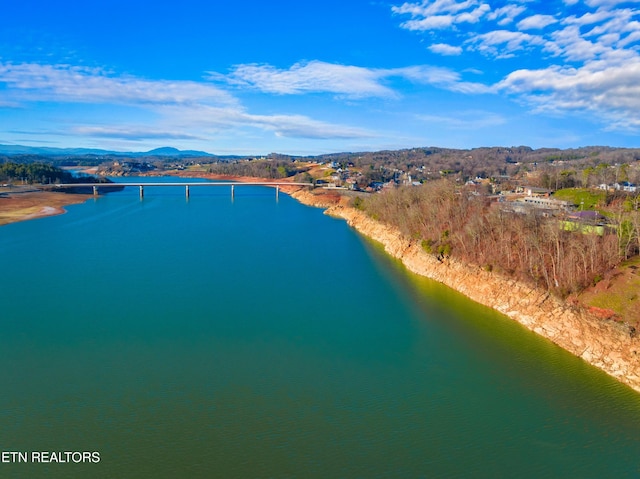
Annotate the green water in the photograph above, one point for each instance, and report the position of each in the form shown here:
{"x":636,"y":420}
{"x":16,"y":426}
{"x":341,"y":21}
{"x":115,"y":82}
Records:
{"x":260,"y":338}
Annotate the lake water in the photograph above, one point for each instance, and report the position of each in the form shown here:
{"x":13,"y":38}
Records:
{"x":261,"y":338}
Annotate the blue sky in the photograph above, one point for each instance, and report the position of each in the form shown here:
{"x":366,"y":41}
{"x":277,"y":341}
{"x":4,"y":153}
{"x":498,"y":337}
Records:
{"x":256,"y":77}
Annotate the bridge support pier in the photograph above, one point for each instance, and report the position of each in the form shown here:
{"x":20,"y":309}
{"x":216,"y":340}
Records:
{"x":186,"y":191}
{"x":141,"y":191}
{"x":233,"y":193}
{"x":277,"y":192}
{"x":95,"y":191}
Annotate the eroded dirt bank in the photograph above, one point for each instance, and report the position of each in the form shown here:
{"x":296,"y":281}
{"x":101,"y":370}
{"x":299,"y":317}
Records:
{"x":605,"y":344}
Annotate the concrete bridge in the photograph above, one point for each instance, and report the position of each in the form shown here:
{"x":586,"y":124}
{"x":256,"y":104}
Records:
{"x":186,"y":185}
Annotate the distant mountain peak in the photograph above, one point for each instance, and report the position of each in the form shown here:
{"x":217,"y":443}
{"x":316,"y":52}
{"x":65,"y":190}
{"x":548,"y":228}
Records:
{"x":165,"y":150}
{"x":50,"y":151}
{"x":170,"y":151}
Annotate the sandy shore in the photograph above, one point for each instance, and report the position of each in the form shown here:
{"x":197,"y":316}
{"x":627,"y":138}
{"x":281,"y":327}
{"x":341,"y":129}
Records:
{"x":28,"y":205}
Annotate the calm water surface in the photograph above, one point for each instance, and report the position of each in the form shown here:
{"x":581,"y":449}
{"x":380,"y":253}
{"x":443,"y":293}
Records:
{"x":255,"y":338}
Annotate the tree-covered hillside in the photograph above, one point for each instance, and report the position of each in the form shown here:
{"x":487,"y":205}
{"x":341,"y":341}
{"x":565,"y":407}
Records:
{"x":33,"y":173}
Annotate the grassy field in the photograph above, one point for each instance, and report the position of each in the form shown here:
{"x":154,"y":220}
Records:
{"x":587,"y":198}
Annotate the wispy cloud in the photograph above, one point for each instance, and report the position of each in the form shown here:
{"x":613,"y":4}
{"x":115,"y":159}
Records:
{"x":217,"y":119}
{"x":536,"y":22}
{"x":32,"y":81}
{"x":596,"y":28}
{"x":132,"y":133}
{"x":179,"y":110}
{"x":506,"y":15}
{"x":608,"y":3}
{"x":344,"y":81}
{"x":445,"y":49}
{"x":607,"y":90}
{"x":504,"y":43}
{"x":300,"y":126}
{"x":311,"y":77}
{"x":440,"y":14}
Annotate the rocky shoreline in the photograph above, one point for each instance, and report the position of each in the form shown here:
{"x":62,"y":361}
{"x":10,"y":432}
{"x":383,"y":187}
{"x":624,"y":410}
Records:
{"x":607,"y":345}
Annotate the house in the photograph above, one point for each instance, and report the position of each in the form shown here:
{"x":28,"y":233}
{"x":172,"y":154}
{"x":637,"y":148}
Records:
{"x":547,"y":203}
{"x":533,"y":191}
{"x":625,"y":186}
{"x":538,"y":205}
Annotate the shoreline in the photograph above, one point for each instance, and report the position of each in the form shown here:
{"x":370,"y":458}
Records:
{"x":607,"y":345}
{"x":19,"y":206}
{"x":604,"y":344}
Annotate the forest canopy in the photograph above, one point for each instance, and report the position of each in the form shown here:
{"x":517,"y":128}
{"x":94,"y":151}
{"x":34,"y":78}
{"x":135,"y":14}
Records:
{"x":33,"y":173}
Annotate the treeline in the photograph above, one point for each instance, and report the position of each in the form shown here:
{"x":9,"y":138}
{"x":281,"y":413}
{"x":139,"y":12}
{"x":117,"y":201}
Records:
{"x":563,"y":167}
{"x":41,"y":173}
{"x":268,"y":168}
{"x":59,"y":161}
{"x":33,"y":173}
{"x":450,"y":222}
{"x":585,"y":175}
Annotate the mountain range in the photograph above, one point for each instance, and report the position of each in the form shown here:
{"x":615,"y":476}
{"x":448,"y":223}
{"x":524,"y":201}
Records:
{"x":49,"y":151}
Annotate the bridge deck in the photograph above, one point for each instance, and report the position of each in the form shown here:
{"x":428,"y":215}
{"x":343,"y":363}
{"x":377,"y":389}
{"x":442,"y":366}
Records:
{"x":186,"y":183}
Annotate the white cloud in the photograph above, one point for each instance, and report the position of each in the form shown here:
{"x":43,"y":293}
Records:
{"x":445,"y":49}
{"x":536,"y":22}
{"x":588,"y":53}
{"x":633,"y":37}
{"x":608,"y":90}
{"x":589,"y":18}
{"x":440,"y":14}
{"x":208,"y":118}
{"x":300,"y":126}
{"x":503,"y":43}
{"x":506,"y":14}
{"x":588,"y":33}
{"x":312,"y":77}
{"x":610,"y":39}
{"x":473,"y":16}
{"x":91,"y":85}
{"x":574,"y":47}
{"x":620,"y":21}
{"x":343,"y":80}
{"x":179,"y":110}
{"x":425,"y":74}
{"x":608,"y":3}
{"x":435,"y":22}
{"x":132,"y":133}
{"x":433,"y":7}
{"x":197,"y":111}
{"x":440,"y":77}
